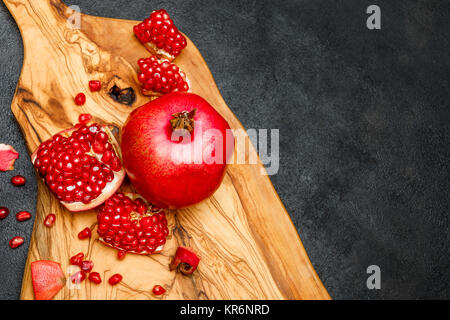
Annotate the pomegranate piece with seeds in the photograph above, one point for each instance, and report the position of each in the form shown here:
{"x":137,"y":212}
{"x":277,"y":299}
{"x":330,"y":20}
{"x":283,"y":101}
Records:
{"x":160,"y":76}
{"x":81,"y":166}
{"x":7,"y":157}
{"x":16,"y":242}
{"x":18,"y":181}
{"x":160,"y":36}
{"x":185,"y":261}
{"x":4,"y":212}
{"x":128,"y":223}
{"x":48,"y":279}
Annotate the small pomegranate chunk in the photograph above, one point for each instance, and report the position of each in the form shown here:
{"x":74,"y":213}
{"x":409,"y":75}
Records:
{"x":7,"y":157}
{"x":18,"y":181}
{"x":78,"y":277}
{"x":115,"y":279}
{"x":160,"y":36}
{"x":87,"y":265}
{"x":185,"y":261}
{"x":161,"y":76}
{"x":49,"y":220}
{"x":23,"y":216}
{"x":48,"y":279}
{"x":16,"y":242}
{"x":95,"y":85}
{"x":95,"y":277}
{"x":80,"y":99}
{"x":80,"y":166}
{"x":126,"y":222}
{"x":84,"y":118}
{"x":158,"y":290}
{"x":84,"y":234}
{"x":77,"y":259}
{"x":4,"y":212}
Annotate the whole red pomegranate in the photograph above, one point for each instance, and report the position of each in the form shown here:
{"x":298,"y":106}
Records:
{"x":175,"y":149}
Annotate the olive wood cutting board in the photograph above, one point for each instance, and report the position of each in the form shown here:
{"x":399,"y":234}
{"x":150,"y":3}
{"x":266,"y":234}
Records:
{"x":249,"y":247}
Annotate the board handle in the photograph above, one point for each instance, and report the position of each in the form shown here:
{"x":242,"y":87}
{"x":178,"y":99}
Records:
{"x":37,"y":14}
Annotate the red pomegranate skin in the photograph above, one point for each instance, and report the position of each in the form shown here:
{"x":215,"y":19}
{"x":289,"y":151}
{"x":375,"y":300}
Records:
{"x":147,"y":150}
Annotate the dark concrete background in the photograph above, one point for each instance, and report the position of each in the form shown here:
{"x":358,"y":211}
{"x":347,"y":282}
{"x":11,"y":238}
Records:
{"x":364,"y":128}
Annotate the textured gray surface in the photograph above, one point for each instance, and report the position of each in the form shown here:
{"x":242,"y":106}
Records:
{"x":364,"y":128}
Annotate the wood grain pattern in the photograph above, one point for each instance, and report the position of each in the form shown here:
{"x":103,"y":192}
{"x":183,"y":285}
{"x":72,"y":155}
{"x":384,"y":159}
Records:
{"x":248,"y":244}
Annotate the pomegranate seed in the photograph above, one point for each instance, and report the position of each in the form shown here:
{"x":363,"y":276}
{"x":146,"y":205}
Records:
{"x":160,"y":31}
{"x":121,"y":254}
{"x":115,"y":279}
{"x":49,"y":220}
{"x":85,"y":233}
{"x":160,"y":76}
{"x":80,"y":99}
{"x":130,"y":225}
{"x":158,"y":290}
{"x":95,"y":85}
{"x":23,"y":216}
{"x":84,"y":118}
{"x":18,"y":181}
{"x":95,"y":277}
{"x":4,"y":212}
{"x":78,"y":277}
{"x":77,"y":259}
{"x":87,"y":265}
{"x":16,"y":242}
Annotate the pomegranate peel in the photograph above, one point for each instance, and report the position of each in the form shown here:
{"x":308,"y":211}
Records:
{"x":48,"y":279}
{"x":7,"y":157}
{"x":81,"y":166}
{"x":129,"y":224}
{"x":185,"y":261}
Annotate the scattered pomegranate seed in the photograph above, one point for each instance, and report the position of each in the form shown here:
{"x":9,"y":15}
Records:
{"x":95,"y":85}
{"x":185,"y":261}
{"x":160,"y":34}
{"x":49,"y":220}
{"x":121,"y":254}
{"x":87,"y":265}
{"x":84,"y":234}
{"x":161,"y":76}
{"x":77,"y":259}
{"x":95,"y":277}
{"x":16,"y":242}
{"x":4,"y":212}
{"x":158,"y":290}
{"x":23,"y":216}
{"x":80,"y":99}
{"x":18,"y":181}
{"x":84,"y":118}
{"x":115,"y":279}
{"x":78,"y":277}
{"x":7,"y":157}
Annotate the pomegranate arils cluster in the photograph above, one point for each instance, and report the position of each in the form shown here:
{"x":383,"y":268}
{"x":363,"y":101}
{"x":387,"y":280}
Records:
{"x":161,"y":76}
{"x":161,"y":35}
{"x":132,"y":225}
{"x":78,"y":165}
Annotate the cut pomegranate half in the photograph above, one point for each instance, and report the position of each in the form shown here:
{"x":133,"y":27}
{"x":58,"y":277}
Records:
{"x":81,"y":166}
{"x":128,"y":223}
{"x":160,"y":36}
